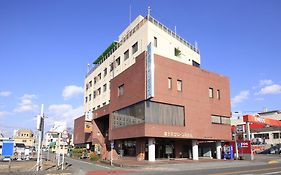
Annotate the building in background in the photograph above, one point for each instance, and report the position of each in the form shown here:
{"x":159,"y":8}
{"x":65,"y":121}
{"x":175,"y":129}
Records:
{"x":53,"y":140}
{"x":263,"y":137}
{"x":24,"y":136}
{"x":2,"y":137}
{"x":147,"y":97}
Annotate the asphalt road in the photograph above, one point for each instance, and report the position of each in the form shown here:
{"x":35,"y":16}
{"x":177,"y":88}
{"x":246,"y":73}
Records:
{"x":81,"y":167}
{"x":247,"y":170}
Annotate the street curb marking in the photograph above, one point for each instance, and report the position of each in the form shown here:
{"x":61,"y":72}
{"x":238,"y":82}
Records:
{"x":273,"y":162}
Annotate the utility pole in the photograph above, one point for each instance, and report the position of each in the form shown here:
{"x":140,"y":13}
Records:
{"x":40,"y":128}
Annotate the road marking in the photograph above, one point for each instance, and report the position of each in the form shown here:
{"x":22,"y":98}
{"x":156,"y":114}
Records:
{"x":245,"y":171}
{"x":277,"y":172}
{"x":103,"y":166}
{"x":273,"y":161}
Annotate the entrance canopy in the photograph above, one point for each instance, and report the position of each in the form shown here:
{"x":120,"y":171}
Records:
{"x":265,"y":121}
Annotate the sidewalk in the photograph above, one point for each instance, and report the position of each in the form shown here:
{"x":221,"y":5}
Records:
{"x":186,"y":164}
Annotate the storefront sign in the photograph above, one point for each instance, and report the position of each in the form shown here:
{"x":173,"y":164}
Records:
{"x":8,"y":148}
{"x":177,"y":134}
{"x":88,"y":127}
{"x":266,"y":121}
{"x":149,"y":71}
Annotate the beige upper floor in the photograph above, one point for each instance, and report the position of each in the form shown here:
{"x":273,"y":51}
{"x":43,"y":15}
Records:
{"x":131,"y":42}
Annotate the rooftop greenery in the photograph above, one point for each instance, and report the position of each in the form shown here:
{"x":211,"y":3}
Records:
{"x":107,"y":50}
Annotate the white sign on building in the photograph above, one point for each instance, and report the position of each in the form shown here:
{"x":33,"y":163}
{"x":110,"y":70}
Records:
{"x":149,"y":71}
{"x":89,"y":116}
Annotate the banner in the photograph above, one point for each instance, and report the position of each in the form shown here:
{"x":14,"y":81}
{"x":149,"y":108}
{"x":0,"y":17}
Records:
{"x":149,"y":71}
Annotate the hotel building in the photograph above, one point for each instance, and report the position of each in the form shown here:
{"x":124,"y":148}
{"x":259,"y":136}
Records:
{"x":147,"y":97}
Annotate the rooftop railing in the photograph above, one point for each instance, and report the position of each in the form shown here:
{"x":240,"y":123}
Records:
{"x":132,"y":31}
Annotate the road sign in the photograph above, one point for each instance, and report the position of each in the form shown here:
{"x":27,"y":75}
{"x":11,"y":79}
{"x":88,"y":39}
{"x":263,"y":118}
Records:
{"x":8,"y":148}
{"x":64,"y":134}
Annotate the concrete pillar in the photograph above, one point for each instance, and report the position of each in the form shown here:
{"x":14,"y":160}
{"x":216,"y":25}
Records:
{"x":151,"y":149}
{"x":194,"y":150}
{"x":218,"y":149}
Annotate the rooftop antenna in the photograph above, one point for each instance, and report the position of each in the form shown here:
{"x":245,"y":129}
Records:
{"x":175,"y":29}
{"x":88,"y":67}
{"x":130,"y":14}
{"x":196,"y":45}
{"x":148,"y":11}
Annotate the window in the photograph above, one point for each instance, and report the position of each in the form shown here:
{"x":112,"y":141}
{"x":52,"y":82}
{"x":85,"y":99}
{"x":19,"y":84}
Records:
{"x":169,"y":83}
{"x":275,"y":135}
{"x":121,"y":90}
{"x":179,"y":85}
{"x":90,"y":83}
{"x":105,"y":72}
{"x":111,"y":67}
{"x":135,"y":48}
{"x":177,"y":52}
{"x":99,"y":91}
{"x":218,"y":94}
{"x":117,"y":61}
{"x":86,"y":99}
{"x":99,"y":76}
{"x":126,"y":55}
{"x":98,"y":106}
{"x":104,"y":87}
{"x":194,"y":63}
{"x":87,"y":86}
{"x":155,"y":42}
{"x":90,"y":97}
{"x":95,"y":94}
{"x":95,"y":80}
{"x":211,"y":92}
{"x":220,"y":120}
{"x":149,"y":112}
{"x":104,"y":104}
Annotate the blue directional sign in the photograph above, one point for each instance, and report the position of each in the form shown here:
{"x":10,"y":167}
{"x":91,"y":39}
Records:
{"x":8,"y":148}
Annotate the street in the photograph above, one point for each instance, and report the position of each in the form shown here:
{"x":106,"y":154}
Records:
{"x":263,"y":164}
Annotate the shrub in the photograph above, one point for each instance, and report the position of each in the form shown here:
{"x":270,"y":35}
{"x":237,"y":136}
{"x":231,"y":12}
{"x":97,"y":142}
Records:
{"x":93,"y":156}
{"x":77,"y":152}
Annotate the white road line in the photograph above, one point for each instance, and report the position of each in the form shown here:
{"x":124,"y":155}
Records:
{"x":276,"y":172}
{"x":103,"y":166}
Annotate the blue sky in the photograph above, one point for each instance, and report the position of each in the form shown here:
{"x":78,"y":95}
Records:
{"x":45,"y":47}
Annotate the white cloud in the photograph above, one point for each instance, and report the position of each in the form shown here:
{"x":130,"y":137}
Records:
{"x":266,"y":82}
{"x":5,"y":93}
{"x":4,"y":113}
{"x":72,"y":91}
{"x":243,"y":95}
{"x":26,"y":104}
{"x":270,"y":89}
{"x":64,"y":112}
{"x":259,"y":99}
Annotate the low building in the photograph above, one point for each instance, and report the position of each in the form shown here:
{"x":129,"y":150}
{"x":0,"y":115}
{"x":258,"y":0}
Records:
{"x":24,"y":136}
{"x":262,"y":136}
{"x":2,"y":137}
